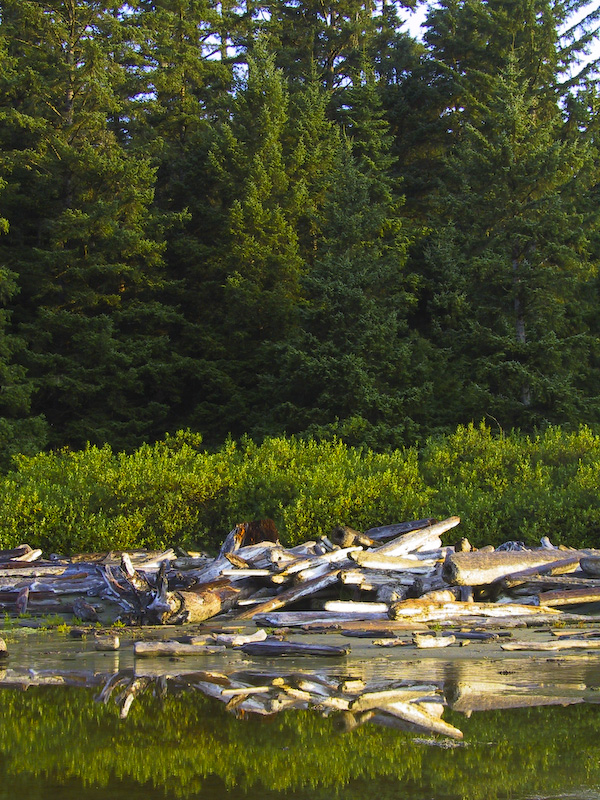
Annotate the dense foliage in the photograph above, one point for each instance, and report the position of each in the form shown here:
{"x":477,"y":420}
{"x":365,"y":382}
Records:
{"x":289,"y":217}
{"x":176,"y":493}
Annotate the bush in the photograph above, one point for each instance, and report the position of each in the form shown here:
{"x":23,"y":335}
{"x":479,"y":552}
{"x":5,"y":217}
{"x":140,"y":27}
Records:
{"x":176,"y":493}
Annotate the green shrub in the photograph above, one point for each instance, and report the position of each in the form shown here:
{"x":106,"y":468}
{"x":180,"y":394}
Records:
{"x":176,"y":493}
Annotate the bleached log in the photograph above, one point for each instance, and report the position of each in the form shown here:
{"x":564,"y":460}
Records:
{"x":424,"y":642}
{"x":591,"y":565}
{"x":560,"y":644}
{"x":409,"y":542}
{"x":382,"y":699}
{"x":410,"y":713}
{"x":275,"y":647}
{"x":169,"y":649}
{"x":292,"y":595}
{"x":429,"y":612}
{"x":569,"y":597}
{"x":442,"y":595}
{"x":238,"y":639}
{"x":348,"y":607}
{"x":199,"y":603}
{"x":394,"y":530}
{"x":18,"y":569}
{"x":386,"y":563}
{"x":480,"y":568}
{"x":238,"y":574}
{"x":323,"y":620}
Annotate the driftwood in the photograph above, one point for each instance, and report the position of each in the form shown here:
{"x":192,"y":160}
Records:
{"x":170,"y":649}
{"x":274,"y":647}
{"x":412,"y":541}
{"x":591,"y":565}
{"x":423,"y":611}
{"x":390,"y":531}
{"x":423,"y":641}
{"x":560,"y":644}
{"x":292,"y":595}
{"x":204,"y":602}
{"x":569,"y":597}
{"x":480,"y":568}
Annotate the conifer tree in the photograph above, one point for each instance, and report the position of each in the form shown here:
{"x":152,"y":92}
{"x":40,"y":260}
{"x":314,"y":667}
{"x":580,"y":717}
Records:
{"x":511,"y":263}
{"x":83,"y":240}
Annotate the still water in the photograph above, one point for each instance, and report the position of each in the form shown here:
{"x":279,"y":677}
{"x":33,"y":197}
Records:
{"x":270,"y":729}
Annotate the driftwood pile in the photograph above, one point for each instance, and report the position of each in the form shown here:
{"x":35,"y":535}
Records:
{"x":386,"y":579}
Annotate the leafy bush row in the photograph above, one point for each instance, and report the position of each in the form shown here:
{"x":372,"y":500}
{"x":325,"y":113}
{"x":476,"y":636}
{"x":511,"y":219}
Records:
{"x":176,"y":493}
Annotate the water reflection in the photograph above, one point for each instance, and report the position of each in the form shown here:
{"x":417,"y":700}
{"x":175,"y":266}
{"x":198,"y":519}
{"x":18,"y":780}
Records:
{"x":522,"y":728}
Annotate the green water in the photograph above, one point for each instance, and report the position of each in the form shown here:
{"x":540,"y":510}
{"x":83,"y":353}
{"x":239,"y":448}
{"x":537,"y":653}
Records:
{"x":58,"y":742}
{"x":64,"y":734}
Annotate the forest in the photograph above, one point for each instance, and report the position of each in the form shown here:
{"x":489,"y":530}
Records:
{"x":293,"y":218}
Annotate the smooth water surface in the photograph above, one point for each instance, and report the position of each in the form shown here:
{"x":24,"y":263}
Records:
{"x":531,"y":728}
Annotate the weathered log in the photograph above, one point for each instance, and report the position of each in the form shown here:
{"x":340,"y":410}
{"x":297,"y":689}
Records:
{"x":385,"y":697}
{"x":480,"y":568}
{"x":539,"y":583}
{"x":239,"y":639}
{"x":274,"y":647}
{"x":569,"y":597}
{"x":291,"y":595}
{"x":390,"y":531}
{"x":429,"y":612}
{"x":591,"y":565}
{"x":364,"y":610}
{"x":424,"y":642}
{"x":169,"y":649}
{"x":233,"y":540}
{"x":15,"y":552}
{"x":409,"y":712}
{"x":345,"y":536}
{"x":558,"y":644}
{"x":17,"y":569}
{"x":412,"y":541}
{"x":386,"y":563}
{"x":198,"y":604}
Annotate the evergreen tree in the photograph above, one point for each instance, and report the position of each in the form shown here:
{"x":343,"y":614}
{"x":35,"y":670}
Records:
{"x":511,"y":268}
{"x":83,"y":240}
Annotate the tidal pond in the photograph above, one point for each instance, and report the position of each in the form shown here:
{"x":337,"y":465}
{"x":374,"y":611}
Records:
{"x":230,"y":725}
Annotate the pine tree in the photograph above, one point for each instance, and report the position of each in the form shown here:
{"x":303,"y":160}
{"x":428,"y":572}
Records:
{"x":83,"y":240}
{"x":511,"y":265}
